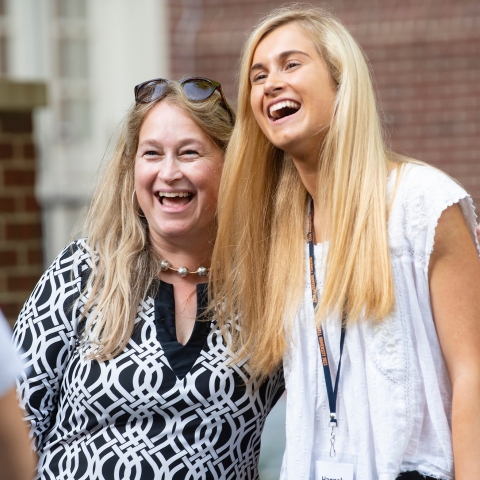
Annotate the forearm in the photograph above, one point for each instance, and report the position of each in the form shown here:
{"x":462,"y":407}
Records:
{"x":466,"y":426}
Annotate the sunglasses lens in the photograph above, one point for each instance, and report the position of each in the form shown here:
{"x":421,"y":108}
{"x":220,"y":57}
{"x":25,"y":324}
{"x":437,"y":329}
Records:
{"x":151,"y":91}
{"x":198,"y":90}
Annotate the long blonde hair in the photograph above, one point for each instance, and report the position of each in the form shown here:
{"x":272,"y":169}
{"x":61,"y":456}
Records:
{"x":125,"y":264}
{"x":258,"y":268}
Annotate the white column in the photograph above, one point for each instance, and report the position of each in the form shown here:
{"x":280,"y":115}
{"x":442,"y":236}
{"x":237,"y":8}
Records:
{"x":127,"y":43}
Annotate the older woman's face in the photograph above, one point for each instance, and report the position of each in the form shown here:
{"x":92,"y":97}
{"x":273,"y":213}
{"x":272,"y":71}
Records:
{"x":292,"y":95}
{"x":177,"y":174}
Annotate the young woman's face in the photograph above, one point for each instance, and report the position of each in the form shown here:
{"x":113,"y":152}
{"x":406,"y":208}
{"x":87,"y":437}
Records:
{"x":177,"y":174}
{"x":292,"y":95}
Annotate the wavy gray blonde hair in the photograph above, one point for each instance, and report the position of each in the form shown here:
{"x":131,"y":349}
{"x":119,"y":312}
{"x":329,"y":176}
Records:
{"x":125,"y":264}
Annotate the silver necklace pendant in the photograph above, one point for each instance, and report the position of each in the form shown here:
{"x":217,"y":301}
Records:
{"x":183,"y":271}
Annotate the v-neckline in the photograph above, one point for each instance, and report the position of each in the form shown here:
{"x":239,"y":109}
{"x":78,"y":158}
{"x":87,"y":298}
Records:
{"x":180,"y":357}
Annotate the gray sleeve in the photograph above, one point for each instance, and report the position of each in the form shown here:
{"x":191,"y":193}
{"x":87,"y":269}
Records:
{"x":11,"y":365}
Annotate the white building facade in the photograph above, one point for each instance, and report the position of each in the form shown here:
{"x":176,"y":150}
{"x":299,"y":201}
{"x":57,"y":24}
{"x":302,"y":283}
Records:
{"x":90,"y":53}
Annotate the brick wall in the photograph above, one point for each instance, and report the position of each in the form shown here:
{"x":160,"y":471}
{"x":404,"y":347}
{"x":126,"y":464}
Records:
{"x":20,"y":215}
{"x":425,"y":56}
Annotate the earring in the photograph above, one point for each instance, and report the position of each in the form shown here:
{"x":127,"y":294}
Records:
{"x":133,"y":204}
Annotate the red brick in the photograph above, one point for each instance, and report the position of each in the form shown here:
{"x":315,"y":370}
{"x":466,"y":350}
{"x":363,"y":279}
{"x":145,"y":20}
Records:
{"x":426,"y":64}
{"x":31,"y":204}
{"x":20,"y":178}
{"x":22,"y":283}
{"x":23,"y":231}
{"x":7,"y":204}
{"x":16,"y":122}
{"x":35,"y":257}
{"x":11,"y":310}
{"x":8,"y":258}
{"x":6,"y":151}
{"x":29,"y":151}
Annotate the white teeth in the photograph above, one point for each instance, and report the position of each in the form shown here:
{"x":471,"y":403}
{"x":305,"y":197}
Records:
{"x":174,"y":194}
{"x":284,"y":104}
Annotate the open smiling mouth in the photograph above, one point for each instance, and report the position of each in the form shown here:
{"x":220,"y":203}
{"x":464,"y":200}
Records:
{"x":175,"y":199}
{"x":283,"y":109}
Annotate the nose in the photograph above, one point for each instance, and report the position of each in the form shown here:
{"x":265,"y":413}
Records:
{"x":274,"y":84}
{"x":170,"y":169}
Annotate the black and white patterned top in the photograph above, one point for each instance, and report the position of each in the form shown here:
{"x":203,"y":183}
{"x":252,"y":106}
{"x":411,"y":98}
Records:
{"x":159,"y":410}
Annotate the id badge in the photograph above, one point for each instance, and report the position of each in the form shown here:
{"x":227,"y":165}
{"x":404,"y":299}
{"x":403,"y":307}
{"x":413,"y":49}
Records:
{"x":333,"y":471}
{"x":343,"y":469}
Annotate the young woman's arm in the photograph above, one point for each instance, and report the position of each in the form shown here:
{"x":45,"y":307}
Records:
{"x":455,"y":295}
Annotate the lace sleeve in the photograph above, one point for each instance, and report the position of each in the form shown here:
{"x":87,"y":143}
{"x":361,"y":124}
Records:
{"x":424,"y":193}
{"x":443,"y":192}
{"x":45,"y":335}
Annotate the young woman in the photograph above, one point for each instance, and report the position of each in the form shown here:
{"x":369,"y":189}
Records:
{"x":329,"y":248}
{"x":129,"y":378}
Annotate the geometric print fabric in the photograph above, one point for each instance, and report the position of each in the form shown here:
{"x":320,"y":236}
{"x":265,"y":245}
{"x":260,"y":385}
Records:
{"x":131,"y":417}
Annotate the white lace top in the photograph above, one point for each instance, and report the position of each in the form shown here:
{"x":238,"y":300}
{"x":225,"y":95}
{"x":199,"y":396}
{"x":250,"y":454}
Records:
{"x":394,"y":400}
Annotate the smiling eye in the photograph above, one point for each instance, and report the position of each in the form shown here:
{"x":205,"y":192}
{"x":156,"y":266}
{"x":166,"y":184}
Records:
{"x":190,"y":153}
{"x":259,"y":77}
{"x":291,"y":64}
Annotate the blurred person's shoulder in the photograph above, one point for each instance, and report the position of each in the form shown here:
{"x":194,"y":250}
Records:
{"x":11,"y":365}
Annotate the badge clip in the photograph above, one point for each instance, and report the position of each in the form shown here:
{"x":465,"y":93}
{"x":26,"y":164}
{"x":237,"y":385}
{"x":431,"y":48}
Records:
{"x":333,"y":424}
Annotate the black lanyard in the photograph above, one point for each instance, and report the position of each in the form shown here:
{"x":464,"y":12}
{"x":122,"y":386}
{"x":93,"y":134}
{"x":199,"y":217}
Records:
{"x":331,"y":391}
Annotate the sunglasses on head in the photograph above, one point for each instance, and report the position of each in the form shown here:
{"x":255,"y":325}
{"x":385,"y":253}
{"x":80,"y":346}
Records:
{"x":197,"y":89}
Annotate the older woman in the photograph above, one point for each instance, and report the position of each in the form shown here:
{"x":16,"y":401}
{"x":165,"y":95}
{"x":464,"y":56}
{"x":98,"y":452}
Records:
{"x":129,"y":376}
{"x":369,"y":257}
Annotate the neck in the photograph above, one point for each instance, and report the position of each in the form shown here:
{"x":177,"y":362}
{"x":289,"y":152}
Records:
{"x":192,"y":256}
{"x":307,"y":168}
{"x":321,"y":224}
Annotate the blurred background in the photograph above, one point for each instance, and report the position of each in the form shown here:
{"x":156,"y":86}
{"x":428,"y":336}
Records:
{"x":67,"y":71}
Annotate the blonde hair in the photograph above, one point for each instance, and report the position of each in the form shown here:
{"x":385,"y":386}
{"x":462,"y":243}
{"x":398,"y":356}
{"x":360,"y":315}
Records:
{"x":258,"y":267}
{"x":125,"y":264}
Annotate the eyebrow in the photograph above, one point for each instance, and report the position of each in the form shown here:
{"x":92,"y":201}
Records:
{"x":281,"y":56}
{"x":155,"y":142}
